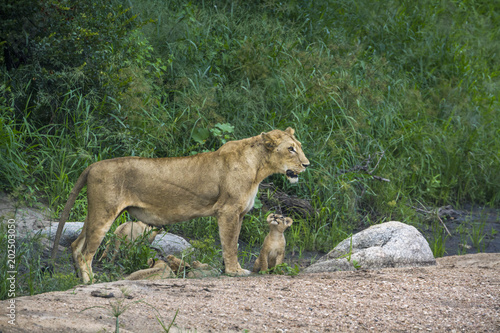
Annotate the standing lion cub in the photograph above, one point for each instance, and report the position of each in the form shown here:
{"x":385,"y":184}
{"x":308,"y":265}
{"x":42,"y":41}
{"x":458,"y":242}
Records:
{"x":273,"y":249}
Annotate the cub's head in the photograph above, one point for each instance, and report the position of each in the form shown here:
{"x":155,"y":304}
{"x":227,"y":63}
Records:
{"x":279,"y":222}
{"x":156,"y":263}
{"x":286,"y":155}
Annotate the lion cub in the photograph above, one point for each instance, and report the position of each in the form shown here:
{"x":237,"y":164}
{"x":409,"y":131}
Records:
{"x":200,"y":270}
{"x":177,"y":265}
{"x":130,"y":231}
{"x":273,"y":249}
{"x":158,"y":270}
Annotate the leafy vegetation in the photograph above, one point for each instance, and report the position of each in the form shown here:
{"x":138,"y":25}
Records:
{"x":131,"y":256}
{"x":407,"y":91}
{"x":32,"y":274}
{"x":438,"y":241}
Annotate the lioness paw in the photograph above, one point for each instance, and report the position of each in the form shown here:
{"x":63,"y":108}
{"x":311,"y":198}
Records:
{"x":240,"y":272}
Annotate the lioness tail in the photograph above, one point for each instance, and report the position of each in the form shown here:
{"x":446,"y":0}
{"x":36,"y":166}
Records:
{"x":80,"y":183}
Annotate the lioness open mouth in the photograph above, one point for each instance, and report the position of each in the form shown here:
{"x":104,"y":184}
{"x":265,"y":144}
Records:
{"x":292,"y":176}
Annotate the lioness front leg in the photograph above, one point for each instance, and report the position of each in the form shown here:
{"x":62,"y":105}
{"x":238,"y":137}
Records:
{"x":229,"y":231}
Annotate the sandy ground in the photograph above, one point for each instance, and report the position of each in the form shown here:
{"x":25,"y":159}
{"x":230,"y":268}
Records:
{"x":460,"y":294}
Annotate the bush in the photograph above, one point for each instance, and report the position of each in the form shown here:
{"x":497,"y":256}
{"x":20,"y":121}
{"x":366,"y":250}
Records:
{"x":77,"y":47}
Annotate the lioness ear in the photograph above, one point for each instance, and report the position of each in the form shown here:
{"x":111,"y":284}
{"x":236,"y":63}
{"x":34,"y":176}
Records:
{"x":269,"y":142}
{"x":288,"y":221}
{"x":290,"y":131}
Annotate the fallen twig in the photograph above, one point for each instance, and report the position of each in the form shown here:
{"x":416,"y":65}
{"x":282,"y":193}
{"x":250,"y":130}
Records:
{"x":364,"y":168}
{"x":434,"y":212}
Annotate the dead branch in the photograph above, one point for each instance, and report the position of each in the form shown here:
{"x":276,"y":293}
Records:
{"x":364,"y":168}
{"x":274,"y":199}
{"x":433,"y":212}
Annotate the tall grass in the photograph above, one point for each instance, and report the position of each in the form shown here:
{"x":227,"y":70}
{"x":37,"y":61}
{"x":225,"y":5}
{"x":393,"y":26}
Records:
{"x":414,"y":81}
{"x":31,"y":275}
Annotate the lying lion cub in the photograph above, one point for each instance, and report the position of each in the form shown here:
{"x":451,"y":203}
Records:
{"x":130,"y":231}
{"x":273,"y":249}
{"x":200,"y":270}
{"x":178,"y":266}
{"x":158,"y":270}
{"x":173,"y":267}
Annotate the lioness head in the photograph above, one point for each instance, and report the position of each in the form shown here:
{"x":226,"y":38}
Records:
{"x":287,"y":156}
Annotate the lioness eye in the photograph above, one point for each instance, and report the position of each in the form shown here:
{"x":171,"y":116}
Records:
{"x":291,"y":149}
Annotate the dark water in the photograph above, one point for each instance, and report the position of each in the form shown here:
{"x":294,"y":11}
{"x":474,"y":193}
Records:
{"x":472,"y":229}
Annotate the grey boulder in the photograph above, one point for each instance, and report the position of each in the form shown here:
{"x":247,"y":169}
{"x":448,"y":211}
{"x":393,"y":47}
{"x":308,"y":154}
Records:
{"x":70,"y":232}
{"x":166,"y":243}
{"x":390,"y":244}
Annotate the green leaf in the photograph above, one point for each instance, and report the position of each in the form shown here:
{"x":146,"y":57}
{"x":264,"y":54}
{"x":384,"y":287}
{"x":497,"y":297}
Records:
{"x":228,"y":128}
{"x":200,"y":135}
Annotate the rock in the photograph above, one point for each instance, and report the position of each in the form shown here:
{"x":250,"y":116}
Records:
{"x":449,"y":212}
{"x":47,"y":246}
{"x":28,"y":220}
{"x":70,"y":232}
{"x":390,"y":244}
{"x":331,"y":265}
{"x":165,"y":242}
{"x":168,"y":244}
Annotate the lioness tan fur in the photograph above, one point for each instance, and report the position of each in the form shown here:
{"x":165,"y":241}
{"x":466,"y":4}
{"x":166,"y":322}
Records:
{"x":160,"y":191}
{"x":273,"y":249}
{"x":130,"y":231}
{"x":158,"y":270}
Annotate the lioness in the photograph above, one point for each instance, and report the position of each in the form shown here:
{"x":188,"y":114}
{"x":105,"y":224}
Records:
{"x":160,"y":191}
{"x":130,"y":231}
{"x":273,"y":249}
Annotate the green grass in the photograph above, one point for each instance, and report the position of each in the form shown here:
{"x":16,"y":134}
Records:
{"x":30,"y":264}
{"x":438,"y":241}
{"x":412,"y":83}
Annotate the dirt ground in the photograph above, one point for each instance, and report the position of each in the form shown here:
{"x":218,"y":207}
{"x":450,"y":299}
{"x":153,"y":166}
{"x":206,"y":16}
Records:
{"x":460,"y":294}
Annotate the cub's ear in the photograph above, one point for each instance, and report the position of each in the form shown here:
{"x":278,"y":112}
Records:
{"x":290,"y":131}
{"x":269,"y":141}
{"x":151,"y":262}
{"x":288,"y":221}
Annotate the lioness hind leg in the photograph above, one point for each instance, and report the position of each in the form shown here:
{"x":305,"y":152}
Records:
{"x":85,"y":246}
{"x":76,"y":247}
